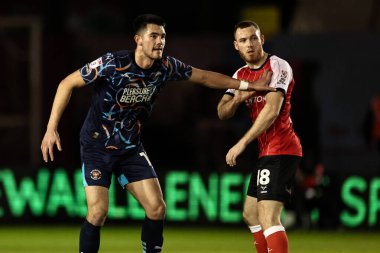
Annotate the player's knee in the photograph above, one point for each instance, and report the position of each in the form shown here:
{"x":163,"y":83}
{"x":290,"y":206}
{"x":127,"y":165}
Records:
{"x":97,"y":216}
{"x":249,"y":217}
{"x":157,"y":211}
{"x":246,"y":216}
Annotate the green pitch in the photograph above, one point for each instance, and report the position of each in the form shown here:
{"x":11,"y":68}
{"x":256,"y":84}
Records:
{"x":63,"y":239}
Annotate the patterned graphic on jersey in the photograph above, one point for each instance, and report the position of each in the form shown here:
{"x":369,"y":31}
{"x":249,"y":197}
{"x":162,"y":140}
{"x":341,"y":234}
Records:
{"x":126,"y":94}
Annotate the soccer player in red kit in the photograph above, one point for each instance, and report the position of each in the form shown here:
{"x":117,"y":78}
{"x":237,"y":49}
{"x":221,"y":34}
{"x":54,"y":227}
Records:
{"x":280,"y":149}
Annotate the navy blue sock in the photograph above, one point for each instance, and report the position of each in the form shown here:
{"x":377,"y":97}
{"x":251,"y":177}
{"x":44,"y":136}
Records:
{"x":89,"y":239}
{"x":152,"y":235}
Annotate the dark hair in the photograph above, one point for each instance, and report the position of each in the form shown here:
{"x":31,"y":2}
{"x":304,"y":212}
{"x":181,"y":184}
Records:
{"x":143,"y":20}
{"x":245,"y":24}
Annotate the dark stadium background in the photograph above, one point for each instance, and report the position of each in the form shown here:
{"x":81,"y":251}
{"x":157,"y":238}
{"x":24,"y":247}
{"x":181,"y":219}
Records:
{"x":333,"y":48}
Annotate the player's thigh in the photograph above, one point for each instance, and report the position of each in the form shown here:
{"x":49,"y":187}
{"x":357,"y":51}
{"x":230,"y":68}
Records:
{"x":147,"y":192}
{"x":97,"y":199}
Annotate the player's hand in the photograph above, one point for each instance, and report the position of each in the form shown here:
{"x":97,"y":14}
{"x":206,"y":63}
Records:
{"x":234,"y":152}
{"x":50,"y":139}
{"x":262,"y":83}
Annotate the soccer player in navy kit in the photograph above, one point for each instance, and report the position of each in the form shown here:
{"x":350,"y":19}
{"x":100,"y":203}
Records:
{"x":126,"y":84}
{"x":280,"y":149}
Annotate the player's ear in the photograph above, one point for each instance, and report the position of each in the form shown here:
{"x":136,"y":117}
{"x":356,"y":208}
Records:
{"x":236,"y":45}
{"x":138,"y":39}
{"x":262,"y":39}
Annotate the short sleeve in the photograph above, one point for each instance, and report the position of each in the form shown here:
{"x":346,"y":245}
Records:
{"x":232,"y":91}
{"x":282,"y":73}
{"x":102,"y":67}
{"x":177,"y":69}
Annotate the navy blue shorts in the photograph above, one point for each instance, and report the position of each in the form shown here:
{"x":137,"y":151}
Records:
{"x":274,"y":178}
{"x":98,"y":166}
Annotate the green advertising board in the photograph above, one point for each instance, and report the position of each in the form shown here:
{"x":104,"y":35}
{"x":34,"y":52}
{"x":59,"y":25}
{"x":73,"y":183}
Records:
{"x":189,"y":196}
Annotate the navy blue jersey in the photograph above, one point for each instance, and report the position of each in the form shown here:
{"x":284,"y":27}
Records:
{"x":124,"y":96}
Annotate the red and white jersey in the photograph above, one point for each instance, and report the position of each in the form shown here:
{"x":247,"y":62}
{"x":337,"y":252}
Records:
{"x":279,"y":138}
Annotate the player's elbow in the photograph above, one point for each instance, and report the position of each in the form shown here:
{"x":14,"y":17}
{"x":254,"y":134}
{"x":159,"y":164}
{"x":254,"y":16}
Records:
{"x":222,"y":115}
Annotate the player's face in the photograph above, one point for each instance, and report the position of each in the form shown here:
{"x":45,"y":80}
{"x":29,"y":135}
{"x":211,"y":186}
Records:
{"x":153,"y":41}
{"x":249,"y":43}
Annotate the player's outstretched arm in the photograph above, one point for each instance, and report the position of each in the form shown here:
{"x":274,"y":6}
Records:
{"x":220,"y":81}
{"x":62,"y":98}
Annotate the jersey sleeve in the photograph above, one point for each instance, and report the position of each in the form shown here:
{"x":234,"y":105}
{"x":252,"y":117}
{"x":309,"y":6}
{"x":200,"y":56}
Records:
{"x":177,"y":69}
{"x":102,"y":67}
{"x":231,"y":92}
{"x":282,"y":74}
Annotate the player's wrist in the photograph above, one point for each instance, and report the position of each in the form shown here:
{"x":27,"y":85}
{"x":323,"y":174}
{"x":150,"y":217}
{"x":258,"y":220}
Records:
{"x":243,"y":85}
{"x":52,"y":126}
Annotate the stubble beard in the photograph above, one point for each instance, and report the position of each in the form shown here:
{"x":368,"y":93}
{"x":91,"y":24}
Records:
{"x":252,"y":59}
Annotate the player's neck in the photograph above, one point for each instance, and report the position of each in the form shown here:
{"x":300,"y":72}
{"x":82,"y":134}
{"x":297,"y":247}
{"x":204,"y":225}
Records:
{"x":142,"y":61}
{"x":260,"y":62}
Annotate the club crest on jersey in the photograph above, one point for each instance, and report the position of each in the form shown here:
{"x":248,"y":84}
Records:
{"x":96,"y":174}
{"x":96,"y":63}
